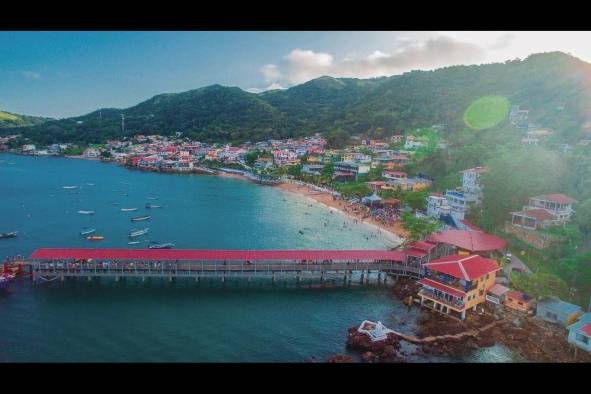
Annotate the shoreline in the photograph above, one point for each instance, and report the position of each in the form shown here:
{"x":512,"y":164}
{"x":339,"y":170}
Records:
{"x":394,"y":234}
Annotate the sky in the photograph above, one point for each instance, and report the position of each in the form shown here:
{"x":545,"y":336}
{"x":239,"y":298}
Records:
{"x":63,"y":74}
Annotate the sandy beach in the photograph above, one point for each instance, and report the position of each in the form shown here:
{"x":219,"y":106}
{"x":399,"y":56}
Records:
{"x":394,"y":231}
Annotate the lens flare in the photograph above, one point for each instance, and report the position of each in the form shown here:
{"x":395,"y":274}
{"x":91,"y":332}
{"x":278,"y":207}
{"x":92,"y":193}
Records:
{"x":486,"y":112}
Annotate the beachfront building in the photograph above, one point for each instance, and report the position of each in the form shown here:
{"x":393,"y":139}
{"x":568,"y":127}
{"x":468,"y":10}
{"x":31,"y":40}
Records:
{"x":456,"y":283}
{"x":353,"y":169}
{"x":467,"y":242}
{"x":284,"y":157}
{"x":28,"y":148}
{"x":554,"y":310}
{"x":91,"y":153}
{"x":579,"y":333}
{"x":312,"y":169}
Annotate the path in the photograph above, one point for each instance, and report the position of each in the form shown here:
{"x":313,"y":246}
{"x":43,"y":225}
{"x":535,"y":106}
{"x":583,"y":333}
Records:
{"x":470,"y":333}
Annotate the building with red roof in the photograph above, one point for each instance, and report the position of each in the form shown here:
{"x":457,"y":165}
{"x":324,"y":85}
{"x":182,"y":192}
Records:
{"x":519,"y":301}
{"x":467,"y":242}
{"x":455,"y":283}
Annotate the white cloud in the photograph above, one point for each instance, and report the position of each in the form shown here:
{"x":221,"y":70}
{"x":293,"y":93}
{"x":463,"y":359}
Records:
{"x":32,"y":75}
{"x":303,"y":65}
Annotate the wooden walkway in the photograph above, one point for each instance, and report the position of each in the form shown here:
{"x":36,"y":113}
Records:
{"x":470,"y":333}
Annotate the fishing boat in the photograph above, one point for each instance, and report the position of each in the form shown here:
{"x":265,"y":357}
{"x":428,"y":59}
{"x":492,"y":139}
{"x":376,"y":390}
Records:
{"x":128,"y":209}
{"x":86,"y":212}
{"x":70,"y":187}
{"x":10,"y":234}
{"x":166,"y":245}
{"x":87,"y":231}
{"x":140,"y":218}
{"x":137,"y":233}
{"x":95,"y":238}
{"x":153,"y":206}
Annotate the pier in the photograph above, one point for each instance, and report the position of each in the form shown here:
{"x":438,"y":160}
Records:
{"x":48,"y":264}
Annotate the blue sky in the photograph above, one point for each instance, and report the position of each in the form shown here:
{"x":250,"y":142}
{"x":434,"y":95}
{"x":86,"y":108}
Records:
{"x":62,"y":74}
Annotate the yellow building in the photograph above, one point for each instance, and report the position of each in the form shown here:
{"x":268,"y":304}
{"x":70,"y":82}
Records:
{"x":456,"y":283}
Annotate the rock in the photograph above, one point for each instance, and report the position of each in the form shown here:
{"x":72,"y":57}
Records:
{"x":340,"y":358}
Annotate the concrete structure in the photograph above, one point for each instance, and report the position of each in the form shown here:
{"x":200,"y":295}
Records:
{"x":579,"y":333}
{"x":557,"y":311}
{"x":453,"y":284}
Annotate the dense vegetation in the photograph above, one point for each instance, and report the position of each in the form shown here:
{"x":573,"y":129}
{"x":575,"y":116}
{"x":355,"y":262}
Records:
{"x":554,"y":86}
{"x":9,"y":120}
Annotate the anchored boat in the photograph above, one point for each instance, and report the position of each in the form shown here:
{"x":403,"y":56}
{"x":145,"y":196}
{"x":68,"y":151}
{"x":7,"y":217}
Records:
{"x":87,"y":231}
{"x":70,"y":187}
{"x":137,"y":233}
{"x":166,"y":245}
{"x":153,"y":206}
{"x":10,"y":234}
{"x":86,"y":212}
{"x":140,"y":218}
{"x":95,"y":238}
{"x":128,"y":209}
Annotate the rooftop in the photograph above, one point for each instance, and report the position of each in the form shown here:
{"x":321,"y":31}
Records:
{"x":557,"y":198}
{"x":474,"y":241}
{"x":463,"y":267}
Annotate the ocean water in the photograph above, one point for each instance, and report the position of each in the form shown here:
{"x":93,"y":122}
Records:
{"x":181,"y":321}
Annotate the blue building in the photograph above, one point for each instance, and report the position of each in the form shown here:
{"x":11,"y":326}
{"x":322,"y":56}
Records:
{"x":557,"y":311}
{"x":579,"y":333}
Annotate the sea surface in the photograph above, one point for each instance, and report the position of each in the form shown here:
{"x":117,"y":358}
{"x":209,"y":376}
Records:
{"x":157,"y":320}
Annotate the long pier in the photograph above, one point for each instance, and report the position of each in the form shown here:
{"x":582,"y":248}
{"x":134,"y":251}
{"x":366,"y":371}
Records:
{"x":52,"y":264}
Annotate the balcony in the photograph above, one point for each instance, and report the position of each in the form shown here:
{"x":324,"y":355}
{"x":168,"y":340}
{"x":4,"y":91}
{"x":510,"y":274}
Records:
{"x":455,"y":303}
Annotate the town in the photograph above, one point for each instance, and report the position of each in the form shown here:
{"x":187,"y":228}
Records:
{"x":463,"y":268}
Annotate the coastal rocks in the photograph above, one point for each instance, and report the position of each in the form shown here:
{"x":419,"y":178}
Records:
{"x":378,"y":351}
{"x":340,"y":358}
{"x":404,"y":288}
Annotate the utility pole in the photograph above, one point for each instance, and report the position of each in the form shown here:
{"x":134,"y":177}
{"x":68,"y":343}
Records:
{"x":122,"y":124}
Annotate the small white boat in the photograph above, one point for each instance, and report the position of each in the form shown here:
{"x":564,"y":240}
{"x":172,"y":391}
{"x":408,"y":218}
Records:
{"x":90,"y":184}
{"x":128,"y":209}
{"x":86,"y":212}
{"x":166,"y":245}
{"x":153,"y":206}
{"x":140,"y":218}
{"x":134,"y":242}
{"x":137,"y":233}
{"x":152,"y":198}
{"x":89,"y":231}
{"x":70,"y":187}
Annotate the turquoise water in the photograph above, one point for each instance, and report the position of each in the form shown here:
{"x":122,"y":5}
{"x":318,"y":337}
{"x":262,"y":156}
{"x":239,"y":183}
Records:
{"x":182,"y":321}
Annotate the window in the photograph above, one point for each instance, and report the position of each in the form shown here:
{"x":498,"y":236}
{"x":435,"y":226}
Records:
{"x":582,"y":338}
{"x":551,"y":316}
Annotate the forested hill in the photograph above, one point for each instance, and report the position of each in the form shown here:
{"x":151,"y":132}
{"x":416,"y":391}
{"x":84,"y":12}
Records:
{"x":9,"y":120}
{"x":554,"y":86}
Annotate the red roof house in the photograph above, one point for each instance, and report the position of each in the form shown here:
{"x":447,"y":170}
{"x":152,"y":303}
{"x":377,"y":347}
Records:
{"x":471,"y":241}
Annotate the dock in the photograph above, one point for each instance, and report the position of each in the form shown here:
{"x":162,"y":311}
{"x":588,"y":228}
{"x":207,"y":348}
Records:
{"x":48,"y":264}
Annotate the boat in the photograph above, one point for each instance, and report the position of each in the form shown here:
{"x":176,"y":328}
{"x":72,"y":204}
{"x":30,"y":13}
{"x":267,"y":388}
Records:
{"x":95,"y":238}
{"x":166,"y":245}
{"x":137,"y":233}
{"x":86,"y":212}
{"x":153,"y":206}
{"x":70,"y":187}
{"x":134,"y":242}
{"x":10,"y":234}
{"x":88,"y":231}
{"x":6,"y":278}
{"x":90,"y":184}
{"x":128,"y":209}
{"x":140,"y":218}
{"x":152,"y":198}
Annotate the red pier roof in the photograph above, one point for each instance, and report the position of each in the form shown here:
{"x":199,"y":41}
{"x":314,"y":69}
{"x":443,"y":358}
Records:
{"x":199,"y":254}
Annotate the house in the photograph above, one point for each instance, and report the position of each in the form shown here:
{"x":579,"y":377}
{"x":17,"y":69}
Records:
{"x":413,"y":142}
{"x":397,"y":139}
{"x":519,"y":301}
{"x":544,"y":211}
{"x":554,"y":310}
{"x":579,"y":333}
{"x":558,"y":204}
{"x":533,"y":219}
{"x":437,"y":205}
{"x":284,"y":156}
{"x":457,"y":203}
{"x":419,"y":252}
{"x":456,"y":283}
{"x":375,"y":185}
{"x":312,"y":169}
{"x":471,"y":184}
{"x":27,"y":148}
{"x":497,"y":294}
{"x":355,"y":169}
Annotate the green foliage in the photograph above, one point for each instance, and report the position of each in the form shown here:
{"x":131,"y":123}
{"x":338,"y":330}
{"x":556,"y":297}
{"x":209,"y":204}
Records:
{"x":486,"y":112}
{"x":418,"y":228}
{"x":253,"y":155}
{"x":539,"y":284}
{"x":375,"y":174}
{"x":74,"y":151}
{"x":514,"y":176}
{"x":295,"y":170}
{"x":583,"y":215}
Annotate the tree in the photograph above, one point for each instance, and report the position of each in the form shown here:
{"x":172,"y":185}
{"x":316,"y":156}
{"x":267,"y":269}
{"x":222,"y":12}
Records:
{"x":295,"y":170}
{"x":327,"y":171}
{"x":539,"y":284}
{"x":418,"y":228}
{"x":583,"y":215}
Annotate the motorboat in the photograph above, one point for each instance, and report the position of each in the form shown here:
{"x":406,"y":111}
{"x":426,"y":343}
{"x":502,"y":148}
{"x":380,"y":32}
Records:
{"x":87,"y":231}
{"x":128,"y":209}
{"x":86,"y":212}
{"x":166,"y":245}
{"x":95,"y":238}
{"x":140,"y":218}
{"x":137,"y":233}
{"x":134,"y":242}
{"x":10,"y":234}
{"x":153,"y":206}
{"x":70,"y":187}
